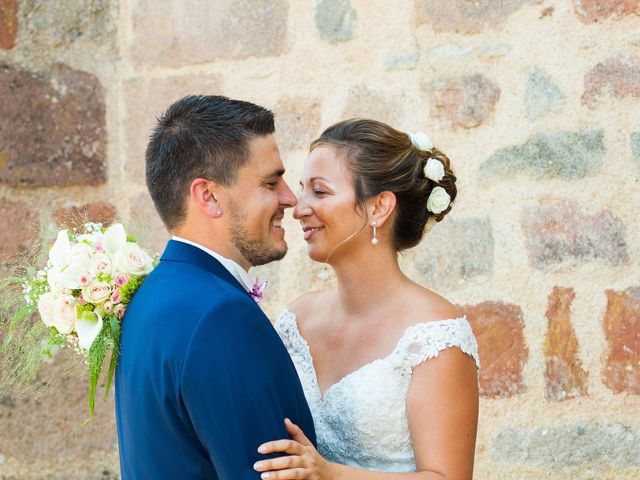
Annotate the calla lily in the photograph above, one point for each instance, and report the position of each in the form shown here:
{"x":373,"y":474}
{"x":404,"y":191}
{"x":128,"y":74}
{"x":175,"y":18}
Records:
{"x":60,"y":252}
{"x":88,"y":327}
{"x":53,"y":275}
{"x":70,"y":277}
{"x":114,"y":238}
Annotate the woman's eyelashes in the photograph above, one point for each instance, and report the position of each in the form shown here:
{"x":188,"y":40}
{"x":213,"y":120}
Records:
{"x":316,"y":190}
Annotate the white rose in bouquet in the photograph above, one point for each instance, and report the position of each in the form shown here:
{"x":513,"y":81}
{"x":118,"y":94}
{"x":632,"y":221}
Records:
{"x":132,"y":260}
{"x":100,"y":263}
{"x":45,"y":308}
{"x":96,"y":292}
{"x":80,"y":255}
{"x":65,"y":314}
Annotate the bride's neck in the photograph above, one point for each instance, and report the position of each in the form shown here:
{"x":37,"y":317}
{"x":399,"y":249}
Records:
{"x":367,"y":281}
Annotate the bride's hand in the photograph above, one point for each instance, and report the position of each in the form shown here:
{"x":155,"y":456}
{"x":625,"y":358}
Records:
{"x":303,"y":462}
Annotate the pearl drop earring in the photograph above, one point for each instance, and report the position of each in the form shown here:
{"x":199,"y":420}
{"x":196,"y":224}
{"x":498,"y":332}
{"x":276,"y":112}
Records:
{"x":374,"y":239}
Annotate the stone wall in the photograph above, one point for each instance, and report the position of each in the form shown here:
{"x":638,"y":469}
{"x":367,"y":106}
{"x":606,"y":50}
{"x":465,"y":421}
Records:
{"x":537,"y":102}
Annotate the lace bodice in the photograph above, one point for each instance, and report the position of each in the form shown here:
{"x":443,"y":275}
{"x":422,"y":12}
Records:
{"x":362,"y":420}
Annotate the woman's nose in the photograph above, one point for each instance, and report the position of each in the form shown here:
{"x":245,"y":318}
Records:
{"x":301,"y":209}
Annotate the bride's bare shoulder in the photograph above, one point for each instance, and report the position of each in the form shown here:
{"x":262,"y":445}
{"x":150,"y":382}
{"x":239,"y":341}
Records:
{"x":305,"y":306}
{"x":433,"y":305}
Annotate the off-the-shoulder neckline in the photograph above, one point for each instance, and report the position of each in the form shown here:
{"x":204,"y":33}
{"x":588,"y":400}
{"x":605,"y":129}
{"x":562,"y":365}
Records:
{"x":405,"y":334}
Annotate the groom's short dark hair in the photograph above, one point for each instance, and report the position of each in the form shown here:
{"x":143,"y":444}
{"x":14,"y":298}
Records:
{"x":200,"y":137}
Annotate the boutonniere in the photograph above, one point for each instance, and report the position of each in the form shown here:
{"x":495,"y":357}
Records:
{"x":257,"y":291}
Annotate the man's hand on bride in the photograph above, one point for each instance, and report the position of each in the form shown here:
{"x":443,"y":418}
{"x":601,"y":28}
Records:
{"x":303,"y":461}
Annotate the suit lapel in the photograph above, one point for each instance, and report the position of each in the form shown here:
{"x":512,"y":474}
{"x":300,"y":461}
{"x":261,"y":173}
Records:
{"x":183,"y":252}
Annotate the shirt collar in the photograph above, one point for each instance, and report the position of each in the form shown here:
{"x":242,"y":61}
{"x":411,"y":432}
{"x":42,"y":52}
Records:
{"x":239,"y":273}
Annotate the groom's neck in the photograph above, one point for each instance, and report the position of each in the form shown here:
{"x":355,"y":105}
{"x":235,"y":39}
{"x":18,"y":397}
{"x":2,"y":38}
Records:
{"x":214,"y":241}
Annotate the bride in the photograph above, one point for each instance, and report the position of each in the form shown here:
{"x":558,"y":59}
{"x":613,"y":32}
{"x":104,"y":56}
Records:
{"x":389,"y":368}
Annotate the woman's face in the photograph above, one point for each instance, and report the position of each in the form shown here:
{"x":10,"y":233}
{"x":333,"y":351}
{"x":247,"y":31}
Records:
{"x":326,"y":208}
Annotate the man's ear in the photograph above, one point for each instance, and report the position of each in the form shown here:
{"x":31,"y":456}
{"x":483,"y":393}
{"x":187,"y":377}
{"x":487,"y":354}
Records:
{"x":380,"y":208}
{"x":205,"y":195}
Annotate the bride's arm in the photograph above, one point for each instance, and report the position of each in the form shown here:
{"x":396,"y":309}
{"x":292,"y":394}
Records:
{"x":442,"y":409}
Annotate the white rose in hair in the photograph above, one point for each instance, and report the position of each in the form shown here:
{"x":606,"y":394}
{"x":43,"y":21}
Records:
{"x":96,"y":292}
{"x":421,"y":141}
{"x":65,"y":314}
{"x":132,"y":260}
{"x":438,"y":200}
{"x":434,"y":170}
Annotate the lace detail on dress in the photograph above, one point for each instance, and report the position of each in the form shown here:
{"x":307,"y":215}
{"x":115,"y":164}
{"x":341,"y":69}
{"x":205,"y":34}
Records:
{"x":362,"y":419}
{"x":426,"y":340}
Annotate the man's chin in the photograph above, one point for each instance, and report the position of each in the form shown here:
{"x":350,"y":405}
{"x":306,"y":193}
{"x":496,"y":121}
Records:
{"x":272,"y":256}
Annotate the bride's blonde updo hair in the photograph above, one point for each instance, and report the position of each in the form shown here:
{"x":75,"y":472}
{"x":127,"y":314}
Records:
{"x":383,"y":159}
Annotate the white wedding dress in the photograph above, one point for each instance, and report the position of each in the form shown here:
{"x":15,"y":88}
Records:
{"x":362,"y":419}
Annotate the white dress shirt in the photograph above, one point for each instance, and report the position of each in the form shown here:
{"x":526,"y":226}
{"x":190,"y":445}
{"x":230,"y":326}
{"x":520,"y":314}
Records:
{"x":239,"y":273}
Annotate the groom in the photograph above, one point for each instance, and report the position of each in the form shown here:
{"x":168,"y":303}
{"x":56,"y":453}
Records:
{"x":203,"y":377}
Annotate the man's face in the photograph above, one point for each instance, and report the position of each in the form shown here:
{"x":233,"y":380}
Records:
{"x":257,"y":204}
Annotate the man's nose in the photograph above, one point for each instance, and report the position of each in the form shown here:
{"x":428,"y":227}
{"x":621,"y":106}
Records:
{"x":287,"y":197}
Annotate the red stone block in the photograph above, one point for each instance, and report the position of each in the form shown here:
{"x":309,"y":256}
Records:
{"x":564,"y":376}
{"x":18,"y":228}
{"x":590,"y":11}
{"x":499,"y":328}
{"x":77,"y":216}
{"x":616,"y":77}
{"x":8,"y":23}
{"x":52,"y":127}
{"x":622,"y":330}
{"x":462,"y":101}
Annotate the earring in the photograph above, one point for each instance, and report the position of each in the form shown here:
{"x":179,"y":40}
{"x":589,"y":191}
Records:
{"x":374,"y":239}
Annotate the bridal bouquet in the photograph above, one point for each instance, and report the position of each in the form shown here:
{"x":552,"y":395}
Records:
{"x":82,"y":292}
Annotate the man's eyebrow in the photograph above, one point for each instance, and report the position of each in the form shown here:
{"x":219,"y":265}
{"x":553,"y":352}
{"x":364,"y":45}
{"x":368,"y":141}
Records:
{"x":276,"y":173}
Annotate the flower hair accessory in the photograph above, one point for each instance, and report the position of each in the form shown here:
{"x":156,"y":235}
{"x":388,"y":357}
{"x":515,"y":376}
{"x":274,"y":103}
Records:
{"x":421,"y":141}
{"x":434,"y":170}
{"x":438,"y":201}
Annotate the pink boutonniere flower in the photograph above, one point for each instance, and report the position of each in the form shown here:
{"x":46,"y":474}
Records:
{"x":257,"y":291}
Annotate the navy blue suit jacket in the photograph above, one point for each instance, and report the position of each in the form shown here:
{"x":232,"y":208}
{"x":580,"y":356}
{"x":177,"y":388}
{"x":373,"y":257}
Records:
{"x":203,"y":378}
